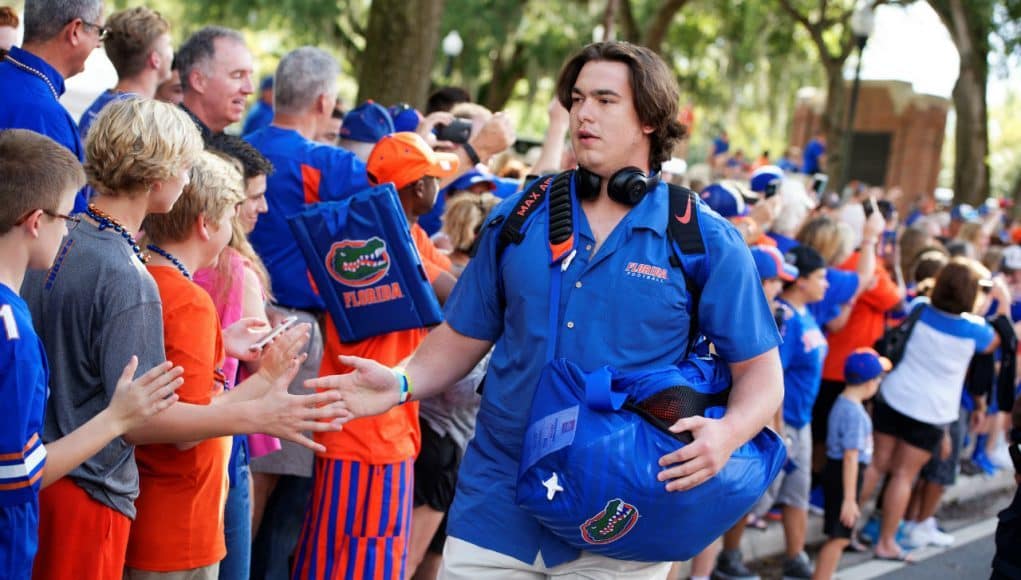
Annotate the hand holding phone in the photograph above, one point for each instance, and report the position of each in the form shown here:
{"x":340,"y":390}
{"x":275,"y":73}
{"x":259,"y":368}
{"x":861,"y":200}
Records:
{"x":287,"y":323}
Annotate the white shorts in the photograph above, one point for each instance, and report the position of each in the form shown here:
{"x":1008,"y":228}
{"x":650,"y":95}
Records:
{"x":466,"y":561}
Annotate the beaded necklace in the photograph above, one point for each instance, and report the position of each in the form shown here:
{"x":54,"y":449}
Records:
{"x":105,"y":221}
{"x":35,"y":72}
{"x":173,"y":259}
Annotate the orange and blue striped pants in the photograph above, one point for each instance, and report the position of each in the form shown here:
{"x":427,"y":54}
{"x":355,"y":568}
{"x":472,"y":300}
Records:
{"x":358,"y":521}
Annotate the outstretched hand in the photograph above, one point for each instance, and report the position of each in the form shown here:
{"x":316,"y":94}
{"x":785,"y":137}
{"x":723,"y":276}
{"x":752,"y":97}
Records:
{"x":135,"y":400}
{"x":699,"y":460}
{"x":370,"y":389}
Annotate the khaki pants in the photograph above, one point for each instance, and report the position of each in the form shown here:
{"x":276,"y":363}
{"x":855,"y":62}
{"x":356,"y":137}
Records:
{"x":465,"y":561}
{"x":211,"y":572}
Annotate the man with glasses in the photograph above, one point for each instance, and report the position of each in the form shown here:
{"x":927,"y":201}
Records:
{"x":59,"y":36}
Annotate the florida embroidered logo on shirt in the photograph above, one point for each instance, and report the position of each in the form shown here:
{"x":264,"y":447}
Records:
{"x":645,"y":271}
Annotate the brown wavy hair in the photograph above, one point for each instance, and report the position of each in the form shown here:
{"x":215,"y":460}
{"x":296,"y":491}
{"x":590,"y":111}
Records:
{"x":656,"y":95}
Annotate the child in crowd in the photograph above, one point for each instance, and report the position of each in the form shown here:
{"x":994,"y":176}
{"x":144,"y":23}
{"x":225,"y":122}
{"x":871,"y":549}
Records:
{"x":238,"y":284}
{"x":179,"y":522}
{"x":774,"y":272}
{"x":848,"y":452}
{"x":358,"y":522}
{"x":38,"y":182}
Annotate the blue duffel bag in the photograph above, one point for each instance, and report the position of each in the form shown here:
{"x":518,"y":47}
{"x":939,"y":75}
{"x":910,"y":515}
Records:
{"x":590,"y":459}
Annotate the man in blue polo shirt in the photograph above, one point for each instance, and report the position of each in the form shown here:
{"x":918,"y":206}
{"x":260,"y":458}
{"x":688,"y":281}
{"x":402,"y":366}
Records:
{"x":59,"y":36}
{"x":621,"y":303}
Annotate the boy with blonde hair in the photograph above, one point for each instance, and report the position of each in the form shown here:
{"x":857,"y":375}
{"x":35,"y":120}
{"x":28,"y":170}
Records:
{"x":38,"y":181}
{"x":95,"y":308}
{"x":179,"y":524}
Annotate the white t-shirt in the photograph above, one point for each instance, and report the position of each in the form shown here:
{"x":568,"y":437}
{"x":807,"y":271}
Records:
{"x":926,"y":385}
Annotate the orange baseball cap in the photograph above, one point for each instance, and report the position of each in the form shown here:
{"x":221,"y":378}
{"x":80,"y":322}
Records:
{"x":403,"y":158}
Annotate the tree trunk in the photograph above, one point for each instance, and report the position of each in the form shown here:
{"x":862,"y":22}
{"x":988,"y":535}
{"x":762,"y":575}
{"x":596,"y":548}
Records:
{"x":610,"y":20}
{"x":400,"y":46}
{"x":655,"y":33}
{"x":834,"y":118}
{"x":971,"y":168}
{"x":506,"y":74}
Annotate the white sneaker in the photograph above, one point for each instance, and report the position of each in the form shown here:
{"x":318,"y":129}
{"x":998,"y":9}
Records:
{"x":1000,"y":457}
{"x":937,"y":537}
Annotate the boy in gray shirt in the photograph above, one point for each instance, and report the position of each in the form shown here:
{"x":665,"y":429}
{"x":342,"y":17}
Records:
{"x":848,"y":452}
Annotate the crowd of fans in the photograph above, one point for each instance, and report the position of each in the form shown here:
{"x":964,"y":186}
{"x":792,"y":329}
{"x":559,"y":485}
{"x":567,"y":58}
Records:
{"x":178,"y":249}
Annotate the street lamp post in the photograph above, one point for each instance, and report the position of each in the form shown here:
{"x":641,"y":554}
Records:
{"x":452,"y":47}
{"x":862,"y":23}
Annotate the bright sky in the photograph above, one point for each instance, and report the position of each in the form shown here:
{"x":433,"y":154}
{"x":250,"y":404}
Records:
{"x":911,"y":44}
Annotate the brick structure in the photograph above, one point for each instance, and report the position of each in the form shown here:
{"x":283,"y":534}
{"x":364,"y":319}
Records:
{"x":898,"y":134}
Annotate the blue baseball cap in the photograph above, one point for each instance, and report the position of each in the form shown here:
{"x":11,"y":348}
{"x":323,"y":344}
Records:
{"x":367,"y":123}
{"x":405,"y":118}
{"x":770,"y":264}
{"x":471,"y":178}
{"x":764,"y":176}
{"x":865,"y":364}
{"x":266,"y":83}
{"x":964,"y":213}
{"x":725,"y":200}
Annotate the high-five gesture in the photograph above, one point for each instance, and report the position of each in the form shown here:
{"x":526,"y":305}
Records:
{"x":370,"y":389}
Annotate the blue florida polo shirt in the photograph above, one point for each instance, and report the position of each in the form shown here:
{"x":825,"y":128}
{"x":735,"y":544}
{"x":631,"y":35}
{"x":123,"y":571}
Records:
{"x":305,"y":172}
{"x":624,"y":306}
{"x":29,"y":103}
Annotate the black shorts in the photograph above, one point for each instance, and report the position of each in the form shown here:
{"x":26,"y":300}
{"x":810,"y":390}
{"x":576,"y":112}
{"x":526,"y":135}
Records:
{"x":889,"y":421}
{"x":944,"y":471}
{"x":436,"y":478}
{"x":833,"y":496}
{"x":828,"y":393}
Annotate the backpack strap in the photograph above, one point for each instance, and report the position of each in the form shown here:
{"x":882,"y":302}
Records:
{"x":688,"y":247}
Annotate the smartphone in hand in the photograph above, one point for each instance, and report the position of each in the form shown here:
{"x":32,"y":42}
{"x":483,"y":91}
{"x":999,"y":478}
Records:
{"x":287,"y":323}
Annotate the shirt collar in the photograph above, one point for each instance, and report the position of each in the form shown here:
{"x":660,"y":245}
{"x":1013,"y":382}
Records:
{"x":651,"y":212}
{"x":29,"y":59}
{"x":207,"y":133}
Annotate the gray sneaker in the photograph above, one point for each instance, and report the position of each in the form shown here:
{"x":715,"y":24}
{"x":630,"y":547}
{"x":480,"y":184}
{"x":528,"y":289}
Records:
{"x":797,"y":568}
{"x":730,"y":566}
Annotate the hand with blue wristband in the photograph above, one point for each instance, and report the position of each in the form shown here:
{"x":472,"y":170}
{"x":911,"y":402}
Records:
{"x":370,"y":389}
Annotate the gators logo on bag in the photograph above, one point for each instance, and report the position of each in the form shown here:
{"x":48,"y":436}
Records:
{"x":616,"y":519}
{"x":358,"y":263}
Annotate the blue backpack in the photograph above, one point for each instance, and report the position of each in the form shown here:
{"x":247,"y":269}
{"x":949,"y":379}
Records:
{"x":590,"y":456}
{"x":365,"y":265}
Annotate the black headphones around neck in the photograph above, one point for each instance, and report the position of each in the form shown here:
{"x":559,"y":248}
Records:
{"x":627,"y":186}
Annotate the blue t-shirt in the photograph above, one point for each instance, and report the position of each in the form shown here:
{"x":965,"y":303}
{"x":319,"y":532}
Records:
{"x":305,"y":172}
{"x":720,"y":145}
{"x":783,"y":243}
{"x":105,"y":98}
{"x":261,"y":115}
{"x":23,"y":389}
{"x":29,"y":102}
{"x":849,"y":427}
{"x":624,"y":306}
{"x":842,"y":287}
{"x":801,"y":354}
{"x":788,"y":166}
{"x":810,"y":158}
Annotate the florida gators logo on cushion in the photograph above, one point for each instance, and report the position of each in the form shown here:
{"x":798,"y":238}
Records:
{"x":358,"y":263}
{"x":616,"y":519}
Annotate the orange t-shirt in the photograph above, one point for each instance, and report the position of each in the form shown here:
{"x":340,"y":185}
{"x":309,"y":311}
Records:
{"x":179,"y":525}
{"x":866,"y":322}
{"x":395,"y":435}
